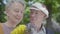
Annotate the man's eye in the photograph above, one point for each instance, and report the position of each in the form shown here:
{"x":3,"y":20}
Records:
{"x":36,"y":13}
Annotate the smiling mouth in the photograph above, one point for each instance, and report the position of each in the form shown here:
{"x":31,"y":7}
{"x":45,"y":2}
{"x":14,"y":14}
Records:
{"x":18,"y":18}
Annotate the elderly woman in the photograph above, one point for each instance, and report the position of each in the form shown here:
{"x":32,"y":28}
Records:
{"x":14,"y":11}
{"x":38,"y":14}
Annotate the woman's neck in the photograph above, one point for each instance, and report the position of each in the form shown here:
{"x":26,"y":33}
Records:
{"x":10,"y":24}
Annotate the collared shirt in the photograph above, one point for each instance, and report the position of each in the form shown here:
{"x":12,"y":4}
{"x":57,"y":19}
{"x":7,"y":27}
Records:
{"x":33,"y":31}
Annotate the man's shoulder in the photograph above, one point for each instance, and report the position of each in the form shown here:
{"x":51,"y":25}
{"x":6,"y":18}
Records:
{"x":49,"y":31}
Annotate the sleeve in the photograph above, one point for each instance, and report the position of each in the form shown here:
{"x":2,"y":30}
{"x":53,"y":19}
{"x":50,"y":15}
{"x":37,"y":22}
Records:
{"x":49,"y":31}
{"x":1,"y":29}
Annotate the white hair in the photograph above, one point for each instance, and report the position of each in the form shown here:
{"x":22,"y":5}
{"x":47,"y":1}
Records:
{"x":9,"y":2}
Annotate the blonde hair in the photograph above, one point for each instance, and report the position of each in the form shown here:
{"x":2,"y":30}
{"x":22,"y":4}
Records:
{"x":9,"y":2}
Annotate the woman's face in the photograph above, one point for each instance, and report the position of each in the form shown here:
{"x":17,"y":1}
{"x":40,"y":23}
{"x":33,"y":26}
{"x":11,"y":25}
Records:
{"x":36,"y":16}
{"x":15,"y":12}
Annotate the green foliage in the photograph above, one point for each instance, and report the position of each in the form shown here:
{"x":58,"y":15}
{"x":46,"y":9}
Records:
{"x":58,"y":19}
{"x":26,"y":16}
{"x":26,"y":0}
{"x":55,"y":7}
{"x":58,"y":1}
{"x":2,"y":8}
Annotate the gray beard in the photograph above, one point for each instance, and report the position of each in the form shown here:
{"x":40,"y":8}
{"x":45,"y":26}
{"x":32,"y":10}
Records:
{"x":42,"y":31}
{"x":32,"y":30}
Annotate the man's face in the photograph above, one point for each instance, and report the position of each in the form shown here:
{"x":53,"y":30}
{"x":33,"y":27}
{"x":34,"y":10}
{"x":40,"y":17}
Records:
{"x":36,"y":16}
{"x":15,"y":12}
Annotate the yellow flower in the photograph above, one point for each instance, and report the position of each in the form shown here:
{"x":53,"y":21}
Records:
{"x":19,"y":30}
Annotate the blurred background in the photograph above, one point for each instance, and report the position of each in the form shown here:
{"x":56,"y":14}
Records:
{"x":53,"y":6}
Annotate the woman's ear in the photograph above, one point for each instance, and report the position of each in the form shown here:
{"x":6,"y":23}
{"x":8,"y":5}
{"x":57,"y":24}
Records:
{"x":6,"y":15}
{"x":6,"y":12}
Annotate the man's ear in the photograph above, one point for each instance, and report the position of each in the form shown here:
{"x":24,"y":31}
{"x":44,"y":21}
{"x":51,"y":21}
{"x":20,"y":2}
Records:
{"x":45,"y":17}
{"x":5,"y":12}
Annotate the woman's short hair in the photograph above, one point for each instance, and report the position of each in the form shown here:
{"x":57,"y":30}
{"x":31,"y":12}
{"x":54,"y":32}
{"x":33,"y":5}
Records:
{"x":9,"y":2}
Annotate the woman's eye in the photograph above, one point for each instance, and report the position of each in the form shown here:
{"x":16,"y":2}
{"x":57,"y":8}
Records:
{"x":21,"y":11}
{"x":16,"y":10}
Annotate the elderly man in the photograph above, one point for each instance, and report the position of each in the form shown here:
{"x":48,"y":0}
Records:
{"x":37,"y":16}
{"x":14,"y":11}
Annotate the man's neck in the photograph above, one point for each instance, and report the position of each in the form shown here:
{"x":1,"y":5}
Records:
{"x":37,"y":26}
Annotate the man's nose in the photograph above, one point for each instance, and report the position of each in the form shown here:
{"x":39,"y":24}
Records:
{"x":32,"y":15}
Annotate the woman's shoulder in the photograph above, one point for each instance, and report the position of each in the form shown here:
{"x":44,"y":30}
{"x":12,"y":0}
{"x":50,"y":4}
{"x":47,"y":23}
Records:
{"x":0,"y":24}
{"x":1,"y":29}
